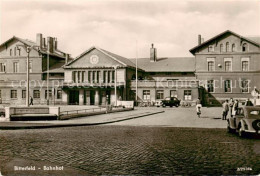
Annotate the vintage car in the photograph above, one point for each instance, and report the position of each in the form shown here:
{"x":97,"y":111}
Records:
{"x":170,"y":101}
{"x":246,"y":120}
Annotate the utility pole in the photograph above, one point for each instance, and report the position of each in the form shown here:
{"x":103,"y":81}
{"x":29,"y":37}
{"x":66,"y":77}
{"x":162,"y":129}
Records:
{"x":136,"y":74}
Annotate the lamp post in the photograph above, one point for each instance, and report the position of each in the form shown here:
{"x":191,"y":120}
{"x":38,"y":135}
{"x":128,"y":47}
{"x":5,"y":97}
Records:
{"x":28,"y":50}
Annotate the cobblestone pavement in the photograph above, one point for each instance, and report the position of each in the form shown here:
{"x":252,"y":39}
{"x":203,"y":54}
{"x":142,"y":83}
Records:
{"x":124,"y":150}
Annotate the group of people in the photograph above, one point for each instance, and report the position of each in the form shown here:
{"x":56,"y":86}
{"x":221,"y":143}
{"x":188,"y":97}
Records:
{"x":231,"y":106}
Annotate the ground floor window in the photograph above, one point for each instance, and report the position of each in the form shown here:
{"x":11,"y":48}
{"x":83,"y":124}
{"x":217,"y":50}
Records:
{"x":50,"y":94}
{"x":0,"y":94}
{"x":210,"y":85}
{"x":146,"y":95}
{"x":36,"y":94}
{"x":159,"y":94}
{"x":245,"y":86}
{"x":13,"y":93}
{"x":173,"y":93}
{"x":23,"y":93}
{"x":187,"y":94}
{"x":227,"y":86}
{"x":59,"y":94}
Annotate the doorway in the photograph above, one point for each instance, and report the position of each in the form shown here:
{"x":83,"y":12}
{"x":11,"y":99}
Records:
{"x":92,"y":97}
{"x":74,"y":97}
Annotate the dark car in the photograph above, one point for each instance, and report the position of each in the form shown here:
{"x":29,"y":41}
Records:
{"x":171,"y":101}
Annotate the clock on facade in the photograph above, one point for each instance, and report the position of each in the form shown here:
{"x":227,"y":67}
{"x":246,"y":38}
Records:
{"x":94,"y":59}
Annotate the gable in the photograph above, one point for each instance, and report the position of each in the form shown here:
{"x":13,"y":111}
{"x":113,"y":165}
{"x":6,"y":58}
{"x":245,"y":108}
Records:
{"x":224,"y":38}
{"x":13,"y":47}
{"x":88,"y":60}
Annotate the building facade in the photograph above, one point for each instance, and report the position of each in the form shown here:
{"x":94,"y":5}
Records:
{"x":227,"y":66}
{"x":13,"y":69}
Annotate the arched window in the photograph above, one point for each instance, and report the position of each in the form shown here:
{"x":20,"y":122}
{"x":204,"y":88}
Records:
{"x":244,"y":47}
{"x":15,"y":51}
{"x":221,"y":47}
{"x":233,"y":47}
{"x":227,"y":47}
{"x":211,"y":48}
{"x":11,"y":52}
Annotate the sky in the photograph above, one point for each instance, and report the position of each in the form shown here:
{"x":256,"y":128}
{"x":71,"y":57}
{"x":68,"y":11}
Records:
{"x":128,"y":27}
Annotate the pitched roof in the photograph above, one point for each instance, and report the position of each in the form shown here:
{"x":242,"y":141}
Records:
{"x":124,"y":61}
{"x":193,"y":50}
{"x":30,"y":43}
{"x":255,"y":39}
{"x":56,"y":68}
{"x":168,"y":64}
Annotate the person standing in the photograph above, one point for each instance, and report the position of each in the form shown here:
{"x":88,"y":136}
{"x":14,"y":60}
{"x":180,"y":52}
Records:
{"x":231,"y":104}
{"x":225,"y":110}
{"x":198,"y":107}
{"x":31,"y":101}
{"x":235,"y":107}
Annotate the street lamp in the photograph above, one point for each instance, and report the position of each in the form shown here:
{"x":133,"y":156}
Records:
{"x":28,"y":50}
{"x":115,"y":67}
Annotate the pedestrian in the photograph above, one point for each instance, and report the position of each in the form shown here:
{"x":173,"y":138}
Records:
{"x":198,"y":107}
{"x":225,"y":110}
{"x":231,"y":104}
{"x":235,"y":108}
{"x":249,"y":103}
{"x":31,"y":100}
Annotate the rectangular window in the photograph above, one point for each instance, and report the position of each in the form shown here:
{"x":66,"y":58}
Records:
{"x":113,"y":76}
{"x":211,"y":66}
{"x":244,"y":86}
{"x":187,"y":94}
{"x":83,"y":77}
{"x":244,"y":65}
{"x":79,"y":76}
{"x":173,"y":93}
{"x":108,"y":76}
{"x":15,"y":67}
{"x":74,"y":76}
{"x":89,"y":76}
{"x":93,"y":76}
{"x":23,"y":93}
{"x":13,"y":93}
{"x":227,"y":86}
{"x":159,"y":94}
{"x":104,"y":76}
{"x":59,"y":94}
{"x":98,"y":74}
{"x":36,"y":94}
{"x":2,"y":67}
{"x":210,"y":85}
{"x":146,"y":95}
{"x":227,"y":65}
{"x":50,"y":94}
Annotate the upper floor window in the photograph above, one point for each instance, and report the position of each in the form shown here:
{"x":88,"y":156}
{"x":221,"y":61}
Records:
{"x":210,"y":48}
{"x":74,"y":76}
{"x":2,"y":67}
{"x":233,"y":47}
{"x":221,"y":47}
{"x":227,"y":47}
{"x":244,"y":65}
{"x":244,"y":47}
{"x":11,"y":52}
{"x":23,"y":93}
{"x":227,"y":86}
{"x":211,"y":66}
{"x":13,"y":93}
{"x":244,"y":86}
{"x":15,"y":67}
{"x":227,"y":65}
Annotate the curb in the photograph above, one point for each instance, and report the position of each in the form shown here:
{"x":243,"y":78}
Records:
{"x":72,"y":125}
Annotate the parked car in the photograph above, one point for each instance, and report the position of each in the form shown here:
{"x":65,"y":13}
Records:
{"x":171,"y":101}
{"x":246,"y":120}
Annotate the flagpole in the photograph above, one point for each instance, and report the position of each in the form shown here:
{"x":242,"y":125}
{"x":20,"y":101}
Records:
{"x":136,"y":73}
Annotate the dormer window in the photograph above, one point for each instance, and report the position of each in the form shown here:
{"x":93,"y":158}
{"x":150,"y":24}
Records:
{"x":227,"y":47}
{"x":244,"y":47}
{"x":221,"y":47}
{"x":233,"y":47}
{"x":211,"y":48}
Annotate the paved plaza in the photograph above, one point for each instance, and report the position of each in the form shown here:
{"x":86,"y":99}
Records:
{"x":173,"y":142}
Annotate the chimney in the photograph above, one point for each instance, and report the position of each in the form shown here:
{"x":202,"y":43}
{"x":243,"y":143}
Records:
{"x":199,"y":39}
{"x":153,"y":54}
{"x":43,"y":43}
{"x":50,"y":44}
{"x":55,"y":42}
{"x":39,"y":40}
{"x":67,"y":58}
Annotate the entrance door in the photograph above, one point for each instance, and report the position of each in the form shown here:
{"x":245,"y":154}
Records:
{"x":92,"y":97}
{"x":74,"y":97}
{"x":108,"y":95}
